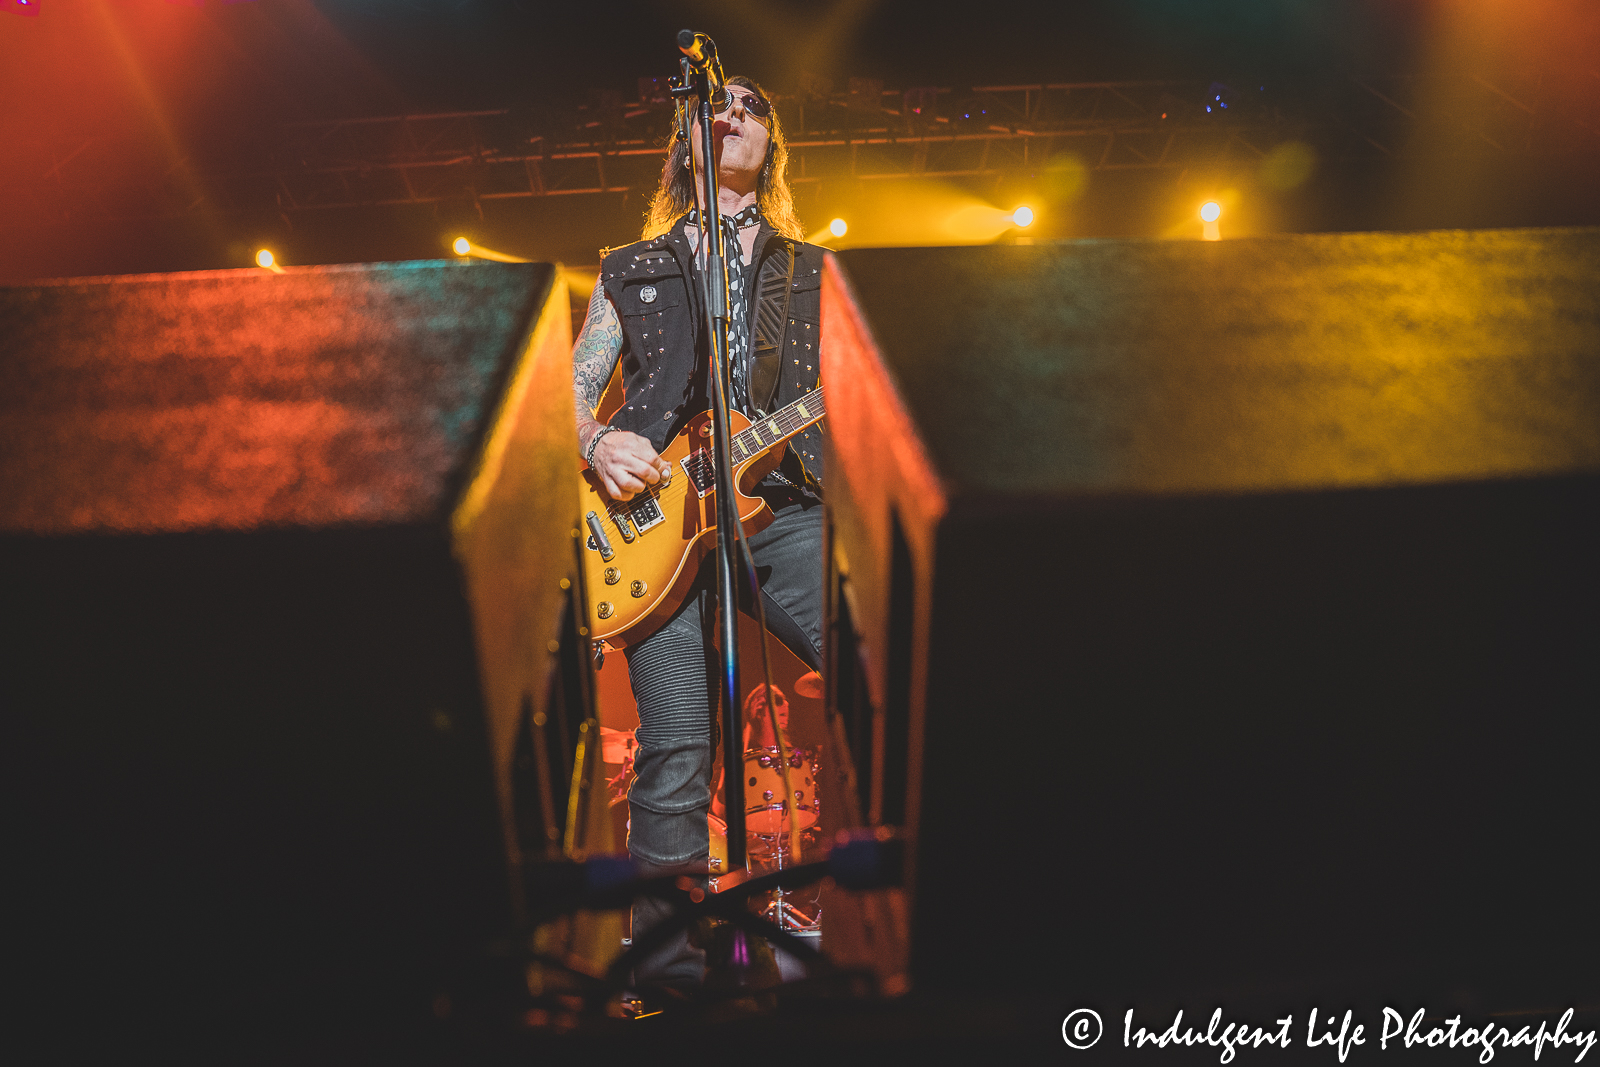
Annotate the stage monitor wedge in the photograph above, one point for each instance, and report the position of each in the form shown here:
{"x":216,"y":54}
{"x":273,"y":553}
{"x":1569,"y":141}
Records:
{"x":1226,"y":610}
{"x":286,"y":561}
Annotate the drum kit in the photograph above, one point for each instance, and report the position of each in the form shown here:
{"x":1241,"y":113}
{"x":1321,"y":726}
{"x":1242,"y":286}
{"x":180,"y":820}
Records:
{"x":767,"y":828}
{"x":766,"y":817}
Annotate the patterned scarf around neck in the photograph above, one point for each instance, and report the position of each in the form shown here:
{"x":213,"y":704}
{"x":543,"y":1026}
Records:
{"x":738,"y":309}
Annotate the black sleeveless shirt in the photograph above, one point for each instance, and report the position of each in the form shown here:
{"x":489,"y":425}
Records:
{"x":664,"y":351}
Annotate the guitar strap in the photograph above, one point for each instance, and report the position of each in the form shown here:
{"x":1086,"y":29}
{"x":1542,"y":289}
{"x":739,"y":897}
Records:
{"x":773,"y":287}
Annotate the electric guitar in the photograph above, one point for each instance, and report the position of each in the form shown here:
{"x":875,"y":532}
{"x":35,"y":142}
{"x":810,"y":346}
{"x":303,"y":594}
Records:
{"x":641,"y":554}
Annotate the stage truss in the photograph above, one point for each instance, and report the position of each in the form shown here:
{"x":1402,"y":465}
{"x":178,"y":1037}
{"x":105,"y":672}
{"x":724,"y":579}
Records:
{"x":611,"y":145}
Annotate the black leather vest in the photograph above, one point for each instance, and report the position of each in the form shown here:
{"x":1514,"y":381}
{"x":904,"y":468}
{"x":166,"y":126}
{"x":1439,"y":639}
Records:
{"x":664,"y":350}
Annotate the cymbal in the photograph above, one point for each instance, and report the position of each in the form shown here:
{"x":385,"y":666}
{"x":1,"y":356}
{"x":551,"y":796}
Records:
{"x":616,"y":745}
{"x":809,"y":685}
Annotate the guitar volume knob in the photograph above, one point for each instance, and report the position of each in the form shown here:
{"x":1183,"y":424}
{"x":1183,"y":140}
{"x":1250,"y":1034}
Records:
{"x":604,"y":609}
{"x":612,"y":576}
{"x":638,"y":588}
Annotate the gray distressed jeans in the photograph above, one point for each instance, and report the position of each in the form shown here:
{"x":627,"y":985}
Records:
{"x":676,"y":681}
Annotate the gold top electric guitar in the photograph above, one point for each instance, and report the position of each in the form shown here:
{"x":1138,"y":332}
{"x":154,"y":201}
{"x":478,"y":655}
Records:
{"x":642,"y":554}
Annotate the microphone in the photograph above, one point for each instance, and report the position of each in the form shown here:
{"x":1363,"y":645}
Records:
{"x":701,"y":52}
{"x":698,"y":47}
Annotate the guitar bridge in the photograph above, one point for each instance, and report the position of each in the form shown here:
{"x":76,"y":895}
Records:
{"x":623,"y":528}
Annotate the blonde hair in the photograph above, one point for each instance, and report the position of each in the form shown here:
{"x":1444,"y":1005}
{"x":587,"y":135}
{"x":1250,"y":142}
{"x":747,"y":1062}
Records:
{"x":676,"y":192}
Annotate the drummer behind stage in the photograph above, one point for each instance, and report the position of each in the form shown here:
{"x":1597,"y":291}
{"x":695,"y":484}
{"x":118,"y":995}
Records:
{"x":757,"y":730}
{"x":646,"y":311}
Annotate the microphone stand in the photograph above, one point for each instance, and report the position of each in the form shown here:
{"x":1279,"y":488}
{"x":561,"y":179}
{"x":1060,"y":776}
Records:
{"x":697,"y":87}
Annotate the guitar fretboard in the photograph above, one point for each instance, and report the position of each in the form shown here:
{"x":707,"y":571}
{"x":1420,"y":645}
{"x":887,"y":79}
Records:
{"x":779,"y":426}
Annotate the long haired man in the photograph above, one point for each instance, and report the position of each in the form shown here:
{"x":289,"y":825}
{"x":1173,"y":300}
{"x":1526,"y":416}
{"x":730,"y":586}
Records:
{"x":645,"y":313}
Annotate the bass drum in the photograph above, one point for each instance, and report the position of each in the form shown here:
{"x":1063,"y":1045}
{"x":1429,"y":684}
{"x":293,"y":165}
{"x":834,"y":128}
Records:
{"x":717,"y":865}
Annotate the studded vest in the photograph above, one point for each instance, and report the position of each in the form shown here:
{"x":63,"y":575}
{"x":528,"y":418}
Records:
{"x":655,"y":292}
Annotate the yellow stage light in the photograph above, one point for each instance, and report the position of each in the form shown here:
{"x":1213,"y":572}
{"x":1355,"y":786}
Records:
{"x":1023,"y":216}
{"x":838,"y":227}
{"x":1210,"y":211}
{"x":978,"y":223}
{"x":464,"y":247}
{"x":264,"y":259}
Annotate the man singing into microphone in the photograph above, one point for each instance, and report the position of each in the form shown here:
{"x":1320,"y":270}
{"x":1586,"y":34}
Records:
{"x":646,"y":311}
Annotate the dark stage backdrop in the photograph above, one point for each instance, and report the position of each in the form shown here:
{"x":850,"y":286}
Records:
{"x":282,"y":561}
{"x":1227,"y":611}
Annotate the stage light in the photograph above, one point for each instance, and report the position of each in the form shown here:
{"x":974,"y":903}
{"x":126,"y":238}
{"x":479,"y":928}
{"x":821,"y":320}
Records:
{"x":464,"y":247}
{"x":264,"y":259}
{"x":828,"y":232}
{"x":1210,"y":211}
{"x":978,"y":223}
{"x":1023,"y":216}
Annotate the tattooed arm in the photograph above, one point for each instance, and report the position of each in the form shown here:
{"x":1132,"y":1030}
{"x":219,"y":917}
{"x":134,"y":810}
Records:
{"x":594,"y":358}
{"x":624,"y":461}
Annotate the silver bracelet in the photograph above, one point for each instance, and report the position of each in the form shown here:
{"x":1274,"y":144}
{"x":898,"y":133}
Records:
{"x":588,"y":456}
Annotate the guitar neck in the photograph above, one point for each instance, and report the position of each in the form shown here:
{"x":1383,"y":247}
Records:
{"x":765,"y":433}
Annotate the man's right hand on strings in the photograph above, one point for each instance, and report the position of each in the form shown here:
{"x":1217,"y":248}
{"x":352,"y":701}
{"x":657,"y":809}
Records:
{"x":626,"y":463}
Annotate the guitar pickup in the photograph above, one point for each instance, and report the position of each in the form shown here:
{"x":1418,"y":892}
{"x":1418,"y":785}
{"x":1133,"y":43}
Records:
{"x":701,"y":471}
{"x":645,"y":512}
{"x":597,"y":537}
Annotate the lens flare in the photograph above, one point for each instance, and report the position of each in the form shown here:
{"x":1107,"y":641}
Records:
{"x":1210,"y":211}
{"x":462,"y":246}
{"x":264,"y":259}
{"x":1288,"y":166}
{"x":1063,"y":179}
{"x":1023,"y":216}
{"x":838,"y":227}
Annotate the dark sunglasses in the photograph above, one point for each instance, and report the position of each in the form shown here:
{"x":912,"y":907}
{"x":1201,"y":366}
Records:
{"x":753,"y":105}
